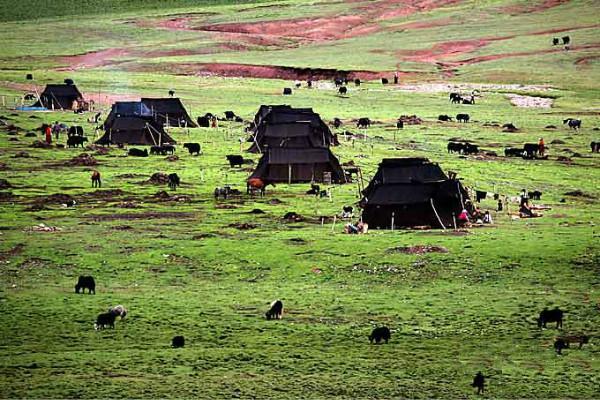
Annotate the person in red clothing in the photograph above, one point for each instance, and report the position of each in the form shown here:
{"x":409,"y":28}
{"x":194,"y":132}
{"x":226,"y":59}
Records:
{"x":48,"y":132}
{"x":541,"y":147}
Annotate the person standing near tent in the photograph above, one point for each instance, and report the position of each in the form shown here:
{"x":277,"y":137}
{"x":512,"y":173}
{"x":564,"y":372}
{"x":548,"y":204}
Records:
{"x":56,"y":130}
{"x":48,"y":132}
{"x":396,"y":78}
{"x":541,"y":147}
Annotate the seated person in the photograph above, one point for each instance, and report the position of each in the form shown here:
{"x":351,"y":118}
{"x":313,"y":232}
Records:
{"x":487,"y":218}
{"x":525,"y":212}
{"x":463,"y":217}
{"x":363,"y":227}
{"x":350,"y":228}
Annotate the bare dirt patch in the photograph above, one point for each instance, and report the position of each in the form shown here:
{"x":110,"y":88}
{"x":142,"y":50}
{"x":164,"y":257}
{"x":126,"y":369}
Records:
{"x":529,"y":101}
{"x":418,"y":249}
{"x":532,"y":7}
{"x":174,"y":215}
{"x":93,"y":59}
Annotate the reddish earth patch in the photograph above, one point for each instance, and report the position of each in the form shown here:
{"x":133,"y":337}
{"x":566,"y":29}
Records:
{"x":529,"y":8}
{"x":92,"y":59}
{"x":421,"y":25}
{"x":441,"y":50}
{"x":583,"y":61}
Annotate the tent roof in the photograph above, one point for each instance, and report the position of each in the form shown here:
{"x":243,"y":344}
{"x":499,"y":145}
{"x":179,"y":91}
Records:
{"x":62,"y":90}
{"x":407,"y":170}
{"x":298,"y":156}
{"x":287,"y":130}
{"x":131,"y":108}
{"x":172,"y":107}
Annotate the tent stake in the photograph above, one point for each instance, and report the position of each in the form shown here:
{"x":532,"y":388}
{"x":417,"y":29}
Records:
{"x":393,"y":215}
{"x":333,"y":225}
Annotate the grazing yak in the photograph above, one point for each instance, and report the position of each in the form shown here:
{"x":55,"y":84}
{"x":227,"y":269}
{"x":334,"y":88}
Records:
{"x":595,"y":146}
{"x":86,"y":282}
{"x":469,"y":148}
{"x":177,"y":342}
{"x":138,"y":153}
{"x":513,"y":152}
{"x":455,"y":98}
{"x":510,"y":127}
{"x":192,"y":148}
{"x":379,"y":334}
{"x":531,"y":150}
{"x":546,"y":316}
{"x":399,"y":124}
{"x":235,"y":160}
{"x":222,"y":192}
{"x":357,"y":82}
{"x":566,"y":40}
{"x":203,"y":122}
{"x":343,"y":90}
{"x":162,"y":150}
{"x":555,"y":41}
{"x":229,"y":115}
{"x":118,"y":311}
{"x":470,"y":100}
{"x":564,"y":342}
{"x":384,"y":81}
{"x":174,"y":181}
{"x":535,"y":195}
{"x":463,"y":117}
{"x":444,"y":118}
{"x":363,"y":123}
{"x":573,"y":123}
{"x":287,"y":91}
{"x":96,"y":179}
{"x":74,"y":141}
{"x":254,"y":185}
{"x":275,"y":311}
{"x":454,"y":147}
{"x":338,"y":82}
{"x":105,"y":320}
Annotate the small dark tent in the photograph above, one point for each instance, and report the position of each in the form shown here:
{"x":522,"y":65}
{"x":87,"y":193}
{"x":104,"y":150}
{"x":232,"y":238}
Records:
{"x":412,"y":191}
{"x":134,"y":130}
{"x":59,"y":96}
{"x":169,"y":111}
{"x":293,"y":165}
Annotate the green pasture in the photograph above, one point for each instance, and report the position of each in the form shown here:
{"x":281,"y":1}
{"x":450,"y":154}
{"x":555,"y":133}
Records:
{"x":182,"y":266}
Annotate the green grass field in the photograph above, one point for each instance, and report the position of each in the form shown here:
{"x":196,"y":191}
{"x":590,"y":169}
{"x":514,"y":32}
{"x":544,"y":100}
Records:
{"x":182,"y":267}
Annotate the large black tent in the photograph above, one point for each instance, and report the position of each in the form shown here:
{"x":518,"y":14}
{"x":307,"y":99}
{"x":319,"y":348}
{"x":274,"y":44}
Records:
{"x":295,"y":165}
{"x":169,"y":111}
{"x":128,"y":109}
{"x":411,"y":192}
{"x":134,"y":130}
{"x":59,"y":96}
{"x":283,"y":126}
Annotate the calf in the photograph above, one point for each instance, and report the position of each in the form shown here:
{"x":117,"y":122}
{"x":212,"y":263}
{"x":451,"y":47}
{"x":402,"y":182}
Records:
{"x":379,"y":334}
{"x":235,"y":160}
{"x":384,"y":81}
{"x":463,"y":118}
{"x":105,"y":320}
{"x":229,"y":115}
{"x":454,"y":96}
{"x":86,"y":282}
{"x":287,"y":91}
{"x":177,"y":342}
{"x":137,"y":153}
{"x":573,"y":123}
{"x":343,"y":90}
{"x":510,"y":127}
{"x":546,"y":316}
{"x":192,"y":148}
{"x":276,"y":310}
{"x":595,"y":146}
{"x":222,"y":192}
{"x":167,"y":149}
{"x":314,"y":189}
{"x":96,"y":179}
{"x":357,"y":82}
{"x":566,"y":40}
{"x":564,"y":342}
{"x":513,"y":152}
{"x":74,"y":141}
{"x":454,"y":147}
{"x":171,"y":93}
{"x":555,"y":41}
{"x":535,"y":195}
{"x":363,"y":123}
{"x":338,"y":82}
{"x":399,"y":124}
{"x":174,"y":181}
{"x":445,"y":118}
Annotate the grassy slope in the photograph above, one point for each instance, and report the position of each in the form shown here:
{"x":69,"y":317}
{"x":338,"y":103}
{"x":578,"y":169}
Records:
{"x":452,"y":314}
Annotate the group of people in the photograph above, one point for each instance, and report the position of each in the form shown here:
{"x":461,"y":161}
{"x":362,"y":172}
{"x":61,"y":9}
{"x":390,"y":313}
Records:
{"x":53,"y":130}
{"x":359,"y":228}
{"x":472,"y":214}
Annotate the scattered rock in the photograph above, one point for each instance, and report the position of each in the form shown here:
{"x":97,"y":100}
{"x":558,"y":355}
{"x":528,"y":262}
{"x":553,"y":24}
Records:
{"x":172,"y":158}
{"x":13,"y":139}
{"x":257,"y":211}
{"x":158,"y":178}
{"x":38,"y":144}
{"x":557,"y":141}
{"x":292,"y":216}
{"x":243,"y":226}
{"x":44,"y":228}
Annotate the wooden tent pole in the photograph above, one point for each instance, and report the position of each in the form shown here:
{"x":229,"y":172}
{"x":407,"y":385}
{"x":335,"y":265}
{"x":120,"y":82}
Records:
{"x":436,"y":214}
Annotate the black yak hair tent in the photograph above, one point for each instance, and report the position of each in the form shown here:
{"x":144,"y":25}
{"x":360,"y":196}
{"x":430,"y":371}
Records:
{"x":127,"y":109}
{"x":283,"y":126}
{"x":59,"y":96}
{"x":411,"y":192}
{"x":169,"y":111}
{"x":135,"y":130}
{"x":298,"y":165}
